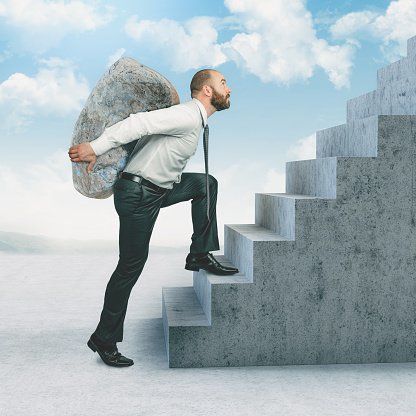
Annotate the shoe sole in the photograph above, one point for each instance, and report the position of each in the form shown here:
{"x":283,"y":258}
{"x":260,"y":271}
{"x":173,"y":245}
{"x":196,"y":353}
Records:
{"x":95,"y":349}
{"x":196,"y":269}
{"x":191,"y":268}
{"x":92,"y":346}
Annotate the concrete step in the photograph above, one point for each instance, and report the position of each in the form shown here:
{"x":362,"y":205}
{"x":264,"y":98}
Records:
{"x":395,"y":93}
{"x":181,"y":310}
{"x":209,"y":286}
{"x":326,"y":271}
{"x":355,"y":139}
{"x":329,"y":141}
{"x":192,"y":339}
{"x":396,"y":87}
{"x":343,"y":178}
{"x":277,"y":212}
{"x":315,"y":177}
{"x":363,"y":106}
{"x":243,"y":242}
{"x":181,"y":307}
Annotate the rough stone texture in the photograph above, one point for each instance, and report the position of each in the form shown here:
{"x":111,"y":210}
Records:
{"x":365,"y":105}
{"x":411,"y":47}
{"x":327,"y":271}
{"x":277,"y":212}
{"x":342,"y":292}
{"x":357,"y":138}
{"x":126,"y":87}
{"x":395,"y":93}
{"x":316,"y":177}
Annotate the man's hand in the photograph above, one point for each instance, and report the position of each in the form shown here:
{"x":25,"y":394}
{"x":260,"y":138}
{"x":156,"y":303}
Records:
{"x":83,"y":153}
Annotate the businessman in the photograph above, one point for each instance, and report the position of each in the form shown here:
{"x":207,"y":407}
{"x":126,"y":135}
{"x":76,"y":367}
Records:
{"x":153,"y":179}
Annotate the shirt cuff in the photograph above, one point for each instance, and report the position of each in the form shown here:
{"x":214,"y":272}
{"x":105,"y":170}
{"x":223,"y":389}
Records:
{"x":101,"y":145}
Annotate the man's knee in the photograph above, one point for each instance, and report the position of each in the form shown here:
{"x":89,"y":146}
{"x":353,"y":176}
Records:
{"x":130,"y":268}
{"x":213,"y":183}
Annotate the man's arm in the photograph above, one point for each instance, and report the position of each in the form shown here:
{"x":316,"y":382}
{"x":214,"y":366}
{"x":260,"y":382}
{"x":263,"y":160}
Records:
{"x":170,"y":121}
{"x":83,"y":152}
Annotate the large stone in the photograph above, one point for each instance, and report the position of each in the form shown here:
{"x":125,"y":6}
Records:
{"x":126,"y":87}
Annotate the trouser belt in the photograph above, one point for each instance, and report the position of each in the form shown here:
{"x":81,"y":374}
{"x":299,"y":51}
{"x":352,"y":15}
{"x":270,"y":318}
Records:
{"x":139,"y":179}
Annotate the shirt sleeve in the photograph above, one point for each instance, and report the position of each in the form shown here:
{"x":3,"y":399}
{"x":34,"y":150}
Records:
{"x":172,"y":121}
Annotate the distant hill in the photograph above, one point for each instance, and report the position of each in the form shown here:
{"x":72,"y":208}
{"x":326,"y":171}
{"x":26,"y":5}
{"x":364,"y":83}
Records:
{"x":36,"y":244}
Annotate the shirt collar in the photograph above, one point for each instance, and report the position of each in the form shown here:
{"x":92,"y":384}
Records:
{"x":203,"y":111}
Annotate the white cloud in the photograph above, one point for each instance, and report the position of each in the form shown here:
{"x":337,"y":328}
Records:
{"x":115,"y":56}
{"x":55,"y":89}
{"x":393,"y":27}
{"x":44,"y":23}
{"x":190,"y":46}
{"x":352,"y":23}
{"x":304,"y":149}
{"x":278,"y":42}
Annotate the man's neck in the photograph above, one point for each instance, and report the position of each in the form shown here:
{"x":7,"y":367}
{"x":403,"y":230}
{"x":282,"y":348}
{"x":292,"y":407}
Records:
{"x":207,"y":105}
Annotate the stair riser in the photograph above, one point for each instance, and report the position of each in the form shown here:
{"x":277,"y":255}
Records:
{"x":330,"y":142}
{"x":403,"y":104}
{"x":239,"y":250}
{"x":411,"y":47}
{"x":345,"y":178}
{"x":396,"y":88}
{"x":355,"y":139}
{"x":277,"y":214}
{"x":303,"y":215}
{"x":365,"y":105}
{"x":165,"y":324}
{"x":244,"y":251}
{"x":202,"y":287}
{"x":228,"y":303}
{"x":316,"y":177}
{"x":395,"y":94}
{"x":394,"y":76}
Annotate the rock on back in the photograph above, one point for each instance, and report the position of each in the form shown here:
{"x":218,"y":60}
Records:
{"x":126,"y":87}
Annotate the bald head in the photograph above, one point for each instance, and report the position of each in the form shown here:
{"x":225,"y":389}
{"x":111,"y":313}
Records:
{"x":209,"y":87}
{"x":200,"y":79}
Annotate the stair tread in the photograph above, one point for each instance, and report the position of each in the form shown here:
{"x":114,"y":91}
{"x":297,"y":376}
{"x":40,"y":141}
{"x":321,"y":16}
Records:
{"x":256,"y":233}
{"x":291,"y":196}
{"x":183,"y":307}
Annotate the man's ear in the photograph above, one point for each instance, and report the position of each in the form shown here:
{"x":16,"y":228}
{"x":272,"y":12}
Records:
{"x":207,"y":90}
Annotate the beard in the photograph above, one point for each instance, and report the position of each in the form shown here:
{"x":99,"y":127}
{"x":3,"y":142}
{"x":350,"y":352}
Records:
{"x":218,"y":101}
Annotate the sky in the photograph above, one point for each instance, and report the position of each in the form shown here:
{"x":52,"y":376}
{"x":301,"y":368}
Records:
{"x":291,"y":67}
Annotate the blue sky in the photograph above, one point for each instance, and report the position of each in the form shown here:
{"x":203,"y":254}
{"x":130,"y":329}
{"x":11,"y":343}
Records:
{"x":291,"y":66}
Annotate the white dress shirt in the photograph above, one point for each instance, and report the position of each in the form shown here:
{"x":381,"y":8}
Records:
{"x":168,"y":138}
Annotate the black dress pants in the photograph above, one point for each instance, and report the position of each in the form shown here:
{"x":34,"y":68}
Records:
{"x":138,"y":207}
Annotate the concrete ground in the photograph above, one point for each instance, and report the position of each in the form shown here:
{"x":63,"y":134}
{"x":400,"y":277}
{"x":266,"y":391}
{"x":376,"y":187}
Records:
{"x":49,"y":305}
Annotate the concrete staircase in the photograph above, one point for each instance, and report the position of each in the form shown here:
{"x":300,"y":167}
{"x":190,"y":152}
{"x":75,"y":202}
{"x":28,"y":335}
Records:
{"x":328,"y":270}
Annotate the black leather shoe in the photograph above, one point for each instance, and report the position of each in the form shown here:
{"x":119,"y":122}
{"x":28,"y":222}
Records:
{"x":109,"y":352}
{"x":208,"y":263}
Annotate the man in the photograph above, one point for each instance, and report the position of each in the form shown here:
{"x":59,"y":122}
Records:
{"x":153,"y":179}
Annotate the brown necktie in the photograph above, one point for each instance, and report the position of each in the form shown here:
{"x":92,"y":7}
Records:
{"x":205,"y":143}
